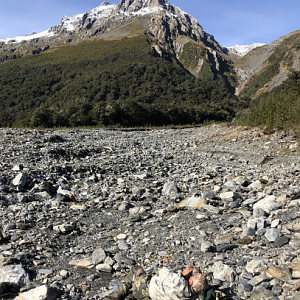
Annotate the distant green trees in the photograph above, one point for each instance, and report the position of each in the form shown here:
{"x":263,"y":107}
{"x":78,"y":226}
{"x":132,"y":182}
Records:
{"x":106,"y":83}
{"x":278,"y":109}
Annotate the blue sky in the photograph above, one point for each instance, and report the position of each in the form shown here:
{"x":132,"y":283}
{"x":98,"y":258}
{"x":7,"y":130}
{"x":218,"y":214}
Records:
{"x":231,"y":22}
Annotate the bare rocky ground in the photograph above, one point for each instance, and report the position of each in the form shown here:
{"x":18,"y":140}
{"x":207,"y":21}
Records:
{"x":79,"y":208}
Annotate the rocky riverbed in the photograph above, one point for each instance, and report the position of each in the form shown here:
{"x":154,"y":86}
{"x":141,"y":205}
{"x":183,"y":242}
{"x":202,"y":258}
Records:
{"x":79,"y":208}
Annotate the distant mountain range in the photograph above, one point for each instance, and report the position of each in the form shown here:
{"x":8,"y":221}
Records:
{"x":171,"y":34}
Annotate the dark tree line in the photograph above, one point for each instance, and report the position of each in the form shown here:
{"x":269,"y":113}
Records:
{"x":106,"y":83}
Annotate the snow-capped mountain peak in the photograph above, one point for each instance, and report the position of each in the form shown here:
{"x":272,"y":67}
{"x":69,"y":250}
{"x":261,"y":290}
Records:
{"x":103,"y":11}
{"x":109,"y":17}
{"x":242,"y":50}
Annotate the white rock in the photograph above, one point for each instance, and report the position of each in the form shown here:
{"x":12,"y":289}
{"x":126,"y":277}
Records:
{"x":229,"y":195}
{"x":202,"y":217}
{"x":121,"y":236}
{"x":206,"y":246}
{"x":275,"y":223}
{"x":40,"y":293}
{"x":13,"y":274}
{"x":272,"y":234}
{"x":192,"y":203}
{"x":104,"y":268}
{"x":223,"y":272}
{"x":138,"y":210}
{"x":254,"y":265}
{"x":267,"y":204}
{"x":256,"y":185}
{"x":64,"y":228}
{"x":20,"y":180}
{"x":294,"y":203}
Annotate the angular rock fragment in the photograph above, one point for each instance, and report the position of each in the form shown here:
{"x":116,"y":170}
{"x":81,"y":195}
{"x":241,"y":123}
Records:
{"x":98,"y":256}
{"x":192,"y":203}
{"x":13,"y":275}
{"x":267,"y":204}
{"x":280,"y":273}
{"x":64,"y":228}
{"x":43,"y":292}
{"x":281,"y":241}
{"x":224,"y":272}
{"x":272,"y":234}
{"x":82,"y":263}
{"x":170,"y":189}
{"x":20,"y":180}
{"x":294,"y":225}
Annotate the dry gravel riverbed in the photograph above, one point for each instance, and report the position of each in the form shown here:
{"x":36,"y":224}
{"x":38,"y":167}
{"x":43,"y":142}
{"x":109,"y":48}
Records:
{"x":79,"y":208}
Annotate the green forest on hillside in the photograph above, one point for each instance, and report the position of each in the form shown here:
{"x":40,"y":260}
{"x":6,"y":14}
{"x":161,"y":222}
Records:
{"x":105,"y":83}
{"x":279,"y":108}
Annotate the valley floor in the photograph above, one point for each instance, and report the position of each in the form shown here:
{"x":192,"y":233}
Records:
{"x":78,"y":208}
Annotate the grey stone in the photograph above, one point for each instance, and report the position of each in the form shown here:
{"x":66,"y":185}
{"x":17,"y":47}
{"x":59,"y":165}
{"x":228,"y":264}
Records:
{"x":256,"y":224}
{"x":272,"y":234}
{"x":170,"y":189}
{"x":249,"y":201}
{"x":226,"y":247}
{"x":261,"y":293}
{"x":98,"y":256}
{"x":45,"y":271}
{"x":22,"y":199}
{"x":120,"y":258}
{"x":256,"y":280}
{"x":14,"y":275}
{"x":281,"y":241}
{"x":206,"y":246}
{"x":245,"y":287}
{"x":208,"y":195}
{"x":294,"y":225}
{"x":64,"y":228}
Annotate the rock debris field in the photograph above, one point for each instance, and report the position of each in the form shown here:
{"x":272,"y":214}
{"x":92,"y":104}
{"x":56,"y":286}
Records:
{"x":79,"y":208}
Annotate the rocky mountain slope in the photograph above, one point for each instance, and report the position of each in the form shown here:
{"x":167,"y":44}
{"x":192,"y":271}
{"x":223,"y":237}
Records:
{"x":166,"y":26}
{"x":160,"y":20}
{"x":266,"y":67}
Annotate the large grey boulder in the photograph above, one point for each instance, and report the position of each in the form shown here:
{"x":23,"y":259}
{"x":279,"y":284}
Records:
{"x":13,"y":275}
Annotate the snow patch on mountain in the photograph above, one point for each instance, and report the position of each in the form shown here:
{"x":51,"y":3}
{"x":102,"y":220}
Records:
{"x":242,"y":50}
{"x":67,"y":23}
{"x":18,"y":39}
{"x":105,"y":11}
